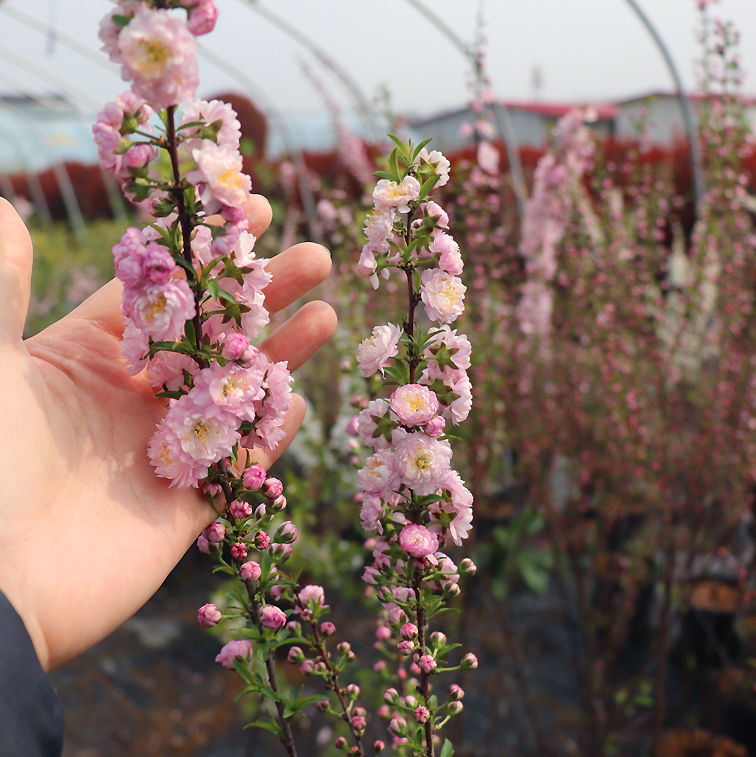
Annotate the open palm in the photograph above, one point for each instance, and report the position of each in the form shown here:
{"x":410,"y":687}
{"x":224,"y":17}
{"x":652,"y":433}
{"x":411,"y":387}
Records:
{"x":88,"y":532}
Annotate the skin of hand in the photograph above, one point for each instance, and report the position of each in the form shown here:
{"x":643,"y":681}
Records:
{"x":88,"y":532}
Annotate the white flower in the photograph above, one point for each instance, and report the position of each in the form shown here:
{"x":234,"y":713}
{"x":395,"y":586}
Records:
{"x":379,"y":475}
{"x":220,"y":170}
{"x":379,"y":225}
{"x":389,"y":194}
{"x":229,"y":134}
{"x":366,"y":426}
{"x":376,"y":349}
{"x":423,"y":463}
{"x":438,"y":161}
{"x":443,"y":295}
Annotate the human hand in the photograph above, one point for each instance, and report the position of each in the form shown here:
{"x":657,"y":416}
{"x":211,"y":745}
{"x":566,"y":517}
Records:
{"x":88,"y":532}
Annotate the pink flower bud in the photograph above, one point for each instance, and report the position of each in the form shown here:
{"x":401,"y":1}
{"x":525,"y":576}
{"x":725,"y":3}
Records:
{"x":344,"y":647}
{"x":409,"y":701}
{"x":359,"y":711}
{"x":307,"y":668}
{"x":370,"y":575}
{"x":467,"y":567}
{"x":287,"y":532}
{"x":353,"y":691}
{"x":282,"y":552}
{"x":408,"y":631}
{"x":427,"y":663}
{"x":262,"y":540}
{"x":421,"y":714}
{"x":250,"y":571}
{"x":469,"y":661}
{"x":212,"y":490}
{"x":452,"y":589}
{"x":391,"y":696}
{"x":405,"y":647}
{"x":435,"y":427}
{"x":358,"y":723}
{"x":208,"y":615}
{"x":327,"y":628}
{"x":202,"y":18}
{"x":383,"y":632}
{"x":234,"y":346}
{"x":278,"y":504}
{"x":240,"y":509}
{"x":438,"y":639}
{"x":272,"y":488}
{"x":239,"y":550}
{"x":340,"y":743}
{"x":260,"y":512}
{"x":398,"y":726}
{"x":295,"y":656}
{"x":276,"y":592}
{"x":320,"y":667}
{"x":203,"y":544}
{"x":254,"y":477}
{"x":379,"y":666}
{"x":454,"y":708}
{"x":215,"y":533}
{"x":379,"y":746}
{"x":323,"y":705}
{"x":272,"y":617}
{"x":384,"y":711}
{"x":456,"y":692}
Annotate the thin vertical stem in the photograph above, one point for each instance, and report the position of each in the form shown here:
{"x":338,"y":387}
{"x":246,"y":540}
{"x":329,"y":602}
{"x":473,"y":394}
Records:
{"x":185,"y":223}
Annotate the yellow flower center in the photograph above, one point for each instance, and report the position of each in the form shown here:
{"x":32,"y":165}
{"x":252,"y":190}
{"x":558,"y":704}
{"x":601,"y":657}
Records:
{"x":231,"y":179}
{"x":422,"y":462}
{"x":154,"y":308}
{"x":155,"y":53}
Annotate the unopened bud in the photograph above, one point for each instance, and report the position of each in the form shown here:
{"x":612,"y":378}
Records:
{"x":327,"y":628}
{"x":272,"y":487}
{"x":467,"y":567}
{"x":296,"y":655}
{"x":353,"y":691}
{"x":340,"y":743}
{"x":323,"y":705}
{"x":408,"y":631}
{"x":454,"y":708}
{"x":281,"y":552}
{"x":438,"y":639}
{"x":261,"y":540}
{"x":421,"y":714}
{"x":456,"y":692}
{"x":379,"y":746}
{"x":410,"y":701}
{"x":469,"y":661}
{"x":391,"y":696}
{"x":278,"y":504}
{"x":287,"y":533}
{"x":254,"y":477}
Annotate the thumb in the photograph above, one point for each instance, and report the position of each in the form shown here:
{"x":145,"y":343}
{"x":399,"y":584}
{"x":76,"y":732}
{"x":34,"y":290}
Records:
{"x":15,"y":273}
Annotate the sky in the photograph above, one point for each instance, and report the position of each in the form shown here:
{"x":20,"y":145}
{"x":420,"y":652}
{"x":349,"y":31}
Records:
{"x":587,"y":50}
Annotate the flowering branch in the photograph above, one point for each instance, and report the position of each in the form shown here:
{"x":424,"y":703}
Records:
{"x":412,"y":498}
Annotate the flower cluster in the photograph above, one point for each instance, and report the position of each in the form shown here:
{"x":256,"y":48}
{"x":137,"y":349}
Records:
{"x":556,"y":187}
{"x":193,"y":291}
{"x":412,"y":498}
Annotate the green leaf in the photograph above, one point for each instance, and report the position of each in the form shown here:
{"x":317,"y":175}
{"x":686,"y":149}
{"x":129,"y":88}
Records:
{"x":392,"y":163}
{"x":267,"y":724}
{"x":170,"y":395}
{"x":428,"y":184}
{"x":121,"y":21}
{"x":420,"y":147}
{"x":213,"y":287}
{"x":247,"y":675}
{"x":384,"y":175}
{"x":447,"y":750}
